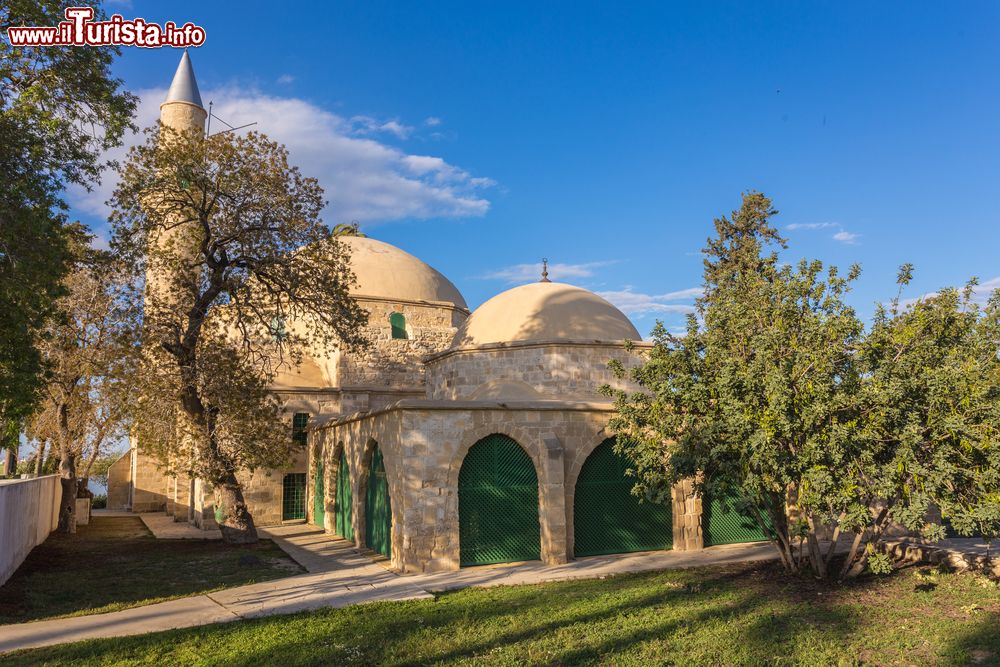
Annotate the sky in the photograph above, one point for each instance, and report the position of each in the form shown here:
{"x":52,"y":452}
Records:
{"x":482,"y":137}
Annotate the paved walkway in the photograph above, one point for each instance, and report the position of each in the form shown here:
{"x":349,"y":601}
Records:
{"x":165,"y":528}
{"x":339,"y":576}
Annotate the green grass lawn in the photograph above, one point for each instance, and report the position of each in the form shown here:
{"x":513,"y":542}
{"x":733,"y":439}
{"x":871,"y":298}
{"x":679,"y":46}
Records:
{"x":115,"y":563}
{"x":734,"y":615}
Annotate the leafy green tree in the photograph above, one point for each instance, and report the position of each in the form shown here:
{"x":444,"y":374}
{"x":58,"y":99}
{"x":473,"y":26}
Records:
{"x":90,"y":350}
{"x":241,"y":276}
{"x":777,"y":395}
{"x":931,"y":433}
{"x":60,"y":108}
{"x":759,"y":399}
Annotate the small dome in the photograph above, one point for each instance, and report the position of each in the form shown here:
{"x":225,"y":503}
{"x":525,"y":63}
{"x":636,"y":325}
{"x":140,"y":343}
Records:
{"x":544,"y":311}
{"x":385,"y":271}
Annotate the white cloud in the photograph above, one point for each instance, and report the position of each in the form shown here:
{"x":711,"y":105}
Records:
{"x":843,"y":235}
{"x":364,"y":179}
{"x":432,"y":121}
{"x":846,"y":237}
{"x":286,"y":79}
{"x":810,"y":225}
{"x":984,"y":290}
{"x":980,"y":293}
{"x":637,"y":303}
{"x":365,"y":125}
{"x":522,"y":273}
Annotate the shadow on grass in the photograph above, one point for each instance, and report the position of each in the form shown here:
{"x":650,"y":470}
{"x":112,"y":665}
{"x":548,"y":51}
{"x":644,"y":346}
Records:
{"x":115,"y":563}
{"x":978,"y":645}
{"x":748,"y":614}
{"x":569,"y":623}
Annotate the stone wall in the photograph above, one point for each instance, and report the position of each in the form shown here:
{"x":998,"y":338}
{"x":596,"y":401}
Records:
{"x":29,"y":511}
{"x":526,"y":371}
{"x":424,"y":444}
{"x":262,"y":490}
{"x":149,"y":483}
{"x":120,"y":482}
{"x":397,"y":363}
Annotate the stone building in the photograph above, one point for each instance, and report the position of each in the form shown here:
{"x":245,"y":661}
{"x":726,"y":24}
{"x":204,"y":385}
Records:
{"x":455,"y":439}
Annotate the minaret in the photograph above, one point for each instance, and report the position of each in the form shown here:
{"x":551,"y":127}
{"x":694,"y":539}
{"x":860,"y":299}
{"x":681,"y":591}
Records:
{"x":183,"y":110}
{"x":169,"y":290}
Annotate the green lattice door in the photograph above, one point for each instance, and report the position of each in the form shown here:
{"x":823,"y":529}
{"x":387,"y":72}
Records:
{"x":343,"y":503}
{"x":498,"y":504}
{"x":293,"y":496}
{"x":607,"y":518}
{"x":319,"y":504}
{"x":723,"y":523}
{"x":378,"y":510}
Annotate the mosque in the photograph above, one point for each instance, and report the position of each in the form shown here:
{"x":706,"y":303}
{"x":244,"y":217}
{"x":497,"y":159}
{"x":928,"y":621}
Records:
{"x":457,"y":438}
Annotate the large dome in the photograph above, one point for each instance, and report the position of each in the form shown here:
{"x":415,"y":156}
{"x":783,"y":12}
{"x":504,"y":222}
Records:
{"x":384,"y":271}
{"x":545,"y":311}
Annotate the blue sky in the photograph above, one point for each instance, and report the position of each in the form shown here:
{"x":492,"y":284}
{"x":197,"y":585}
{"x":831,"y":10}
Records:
{"x":482,"y":137}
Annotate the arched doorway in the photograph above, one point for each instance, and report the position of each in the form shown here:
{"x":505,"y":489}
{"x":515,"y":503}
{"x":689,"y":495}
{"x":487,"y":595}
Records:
{"x":498,"y":504}
{"x":378,"y":510}
{"x":723,"y":522}
{"x":319,"y":501}
{"x":607,"y":518}
{"x":343,"y":501}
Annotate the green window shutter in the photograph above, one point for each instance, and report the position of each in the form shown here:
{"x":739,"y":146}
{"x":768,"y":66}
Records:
{"x":299,"y":422}
{"x":344,"y":501}
{"x":722,"y":522}
{"x":498,"y":504}
{"x":607,"y":518}
{"x":293,"y":496}
{"x":398,"y":323}
{"x":319,"y":503}
{"x":378,"y":510}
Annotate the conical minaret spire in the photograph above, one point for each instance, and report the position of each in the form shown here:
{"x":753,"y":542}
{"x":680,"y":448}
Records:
{"x":183,"y":109}
{"x":184,"y":87}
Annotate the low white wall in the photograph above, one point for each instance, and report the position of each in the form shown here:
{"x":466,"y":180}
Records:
{"x":29,"y":511}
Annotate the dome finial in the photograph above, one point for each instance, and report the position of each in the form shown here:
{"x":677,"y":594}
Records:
{"x":545,"y":271}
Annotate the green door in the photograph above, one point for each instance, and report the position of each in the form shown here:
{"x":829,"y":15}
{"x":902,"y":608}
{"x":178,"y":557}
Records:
{"x":378,"y":510}
{"x":607,"y":518}
{"x":723,"y":523}
{"x":498,"y":504}
{"x":343,"y":503}
{"x":319,"y":504}
{"x":293,"y":496}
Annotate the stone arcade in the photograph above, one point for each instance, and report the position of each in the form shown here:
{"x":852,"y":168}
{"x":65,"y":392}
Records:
{"x":456,"y":439}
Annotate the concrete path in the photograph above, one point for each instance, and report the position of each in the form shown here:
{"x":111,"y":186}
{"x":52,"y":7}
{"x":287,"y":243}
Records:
{"x":165,"y":528}
{"x":338,"y":576}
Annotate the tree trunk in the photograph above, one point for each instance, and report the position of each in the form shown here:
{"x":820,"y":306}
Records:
{"x":67,"y":470}
{"x":85,"y":477}
{"x":10,"y":462}
{"x":237,"y":527}
{"x":40,"y":457}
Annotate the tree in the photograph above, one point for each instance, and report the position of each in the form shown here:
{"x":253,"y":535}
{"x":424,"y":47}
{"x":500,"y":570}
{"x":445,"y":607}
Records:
{"x":90,"y":351}
{"x":230,"y":240}
{"x":931,"y":419}
{"x":60,"y":108}
{"x":759,"y":399}
{"x":776,"y":395}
